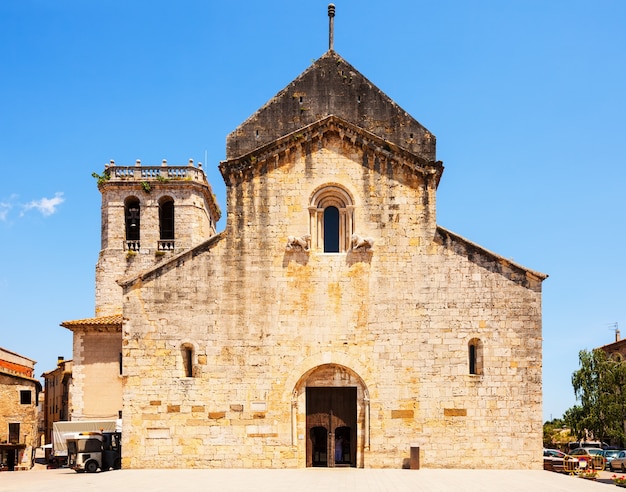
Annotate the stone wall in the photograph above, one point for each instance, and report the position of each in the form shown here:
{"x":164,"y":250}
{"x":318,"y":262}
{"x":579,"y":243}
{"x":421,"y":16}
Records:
{"x":257,"y":320}
{"x":96,"y":390}
{"x":13,"y":411}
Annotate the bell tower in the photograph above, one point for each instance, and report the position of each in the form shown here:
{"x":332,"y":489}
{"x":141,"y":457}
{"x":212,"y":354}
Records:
{"x":149,"y":214}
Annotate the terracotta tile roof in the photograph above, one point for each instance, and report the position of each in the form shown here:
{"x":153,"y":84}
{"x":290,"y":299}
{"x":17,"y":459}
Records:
{"x":115,"y":319}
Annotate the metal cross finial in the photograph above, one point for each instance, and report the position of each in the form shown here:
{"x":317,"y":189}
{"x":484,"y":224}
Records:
{"x":331,"y":26}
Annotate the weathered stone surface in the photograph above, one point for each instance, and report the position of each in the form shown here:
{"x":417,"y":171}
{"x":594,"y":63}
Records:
{"x":331,"y":86}
{"x":398,"y":319}
{"x":413,"y":333}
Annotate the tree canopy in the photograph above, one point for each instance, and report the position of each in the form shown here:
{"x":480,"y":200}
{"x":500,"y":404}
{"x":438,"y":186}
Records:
{"x":599,"y":387}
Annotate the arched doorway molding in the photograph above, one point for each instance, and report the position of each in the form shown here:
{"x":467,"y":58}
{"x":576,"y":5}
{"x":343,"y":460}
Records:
{"x":329,"y":372}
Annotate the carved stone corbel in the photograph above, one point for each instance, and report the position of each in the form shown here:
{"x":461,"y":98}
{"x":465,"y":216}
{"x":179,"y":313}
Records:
{"x":302,"y":243}
{"x":361,"y":243}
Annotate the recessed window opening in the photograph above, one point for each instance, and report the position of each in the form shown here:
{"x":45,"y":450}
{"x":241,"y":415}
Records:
{"x":14,"y":432}
{"x":25,"y":397}
{"x":132,"y":218}
{"x":475,"y":356}
{"x":166,"y":224}
{"x":187,"y":352}
{"x":331,"y":217}
{"x":472,"y":359}
{"x":331,"y":230}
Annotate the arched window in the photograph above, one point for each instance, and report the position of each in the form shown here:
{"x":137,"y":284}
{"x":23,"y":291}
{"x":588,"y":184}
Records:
{"x":331,"y":230}
{"x":188,"y":357}
{"x":475,"y":356}
{"x":166,"y":224}
{"x":331,"y":219}
{"x":132,"y":221}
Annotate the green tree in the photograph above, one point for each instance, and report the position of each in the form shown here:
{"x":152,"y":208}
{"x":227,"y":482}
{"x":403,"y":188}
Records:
{"x":554,"y":432}
{"x":598,"y":387}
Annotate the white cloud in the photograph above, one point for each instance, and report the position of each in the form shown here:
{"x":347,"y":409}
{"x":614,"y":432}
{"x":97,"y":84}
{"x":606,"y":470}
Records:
{"x":47,"y":206}
{"x":4,"y":210}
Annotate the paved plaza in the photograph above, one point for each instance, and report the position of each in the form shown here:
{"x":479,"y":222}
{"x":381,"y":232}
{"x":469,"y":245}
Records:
{"x":302,"y":480}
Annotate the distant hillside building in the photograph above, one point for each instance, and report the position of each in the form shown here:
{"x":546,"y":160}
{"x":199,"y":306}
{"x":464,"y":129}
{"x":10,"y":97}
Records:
{"x":332,"y":322}
{"x":56,"y":405}
{"x":19,"y":393}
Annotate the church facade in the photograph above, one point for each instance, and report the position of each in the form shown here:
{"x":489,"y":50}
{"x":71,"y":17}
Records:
{"x":332,"y":322}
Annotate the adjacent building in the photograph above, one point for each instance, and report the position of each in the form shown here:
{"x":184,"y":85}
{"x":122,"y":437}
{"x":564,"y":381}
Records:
{"x":19,"y":397}
{"x":56,"y":405}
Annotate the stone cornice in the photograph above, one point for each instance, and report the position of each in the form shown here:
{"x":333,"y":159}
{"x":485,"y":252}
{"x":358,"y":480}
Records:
{"x":234,"y":169}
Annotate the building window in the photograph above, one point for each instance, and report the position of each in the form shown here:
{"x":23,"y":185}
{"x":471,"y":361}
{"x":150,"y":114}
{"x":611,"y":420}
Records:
{"x":331,"y":230}
{"x":475,"y":356}
{"x":187,"y":352}
{"x":166,"y":224}
{"x":331,"y":219}
{"x":14,"y":433}
{"x":120,"y":363}
{"x":132,"y":213}
{"x":26,"y":397}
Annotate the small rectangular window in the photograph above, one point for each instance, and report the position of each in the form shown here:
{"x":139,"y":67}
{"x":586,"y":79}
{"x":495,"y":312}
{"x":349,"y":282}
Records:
{"x":26,"y":397}
{"x":14,"y":433}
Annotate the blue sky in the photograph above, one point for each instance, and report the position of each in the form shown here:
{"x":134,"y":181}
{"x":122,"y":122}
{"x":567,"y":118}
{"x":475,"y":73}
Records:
{"x":526,"y":98}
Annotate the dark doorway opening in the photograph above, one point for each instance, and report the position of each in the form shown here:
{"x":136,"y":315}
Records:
{"x":319,"y":446}
{"x":331,"y":426}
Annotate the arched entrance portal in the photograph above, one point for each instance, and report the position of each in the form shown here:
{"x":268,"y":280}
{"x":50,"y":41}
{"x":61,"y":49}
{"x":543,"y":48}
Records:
{"x":336,"y":403}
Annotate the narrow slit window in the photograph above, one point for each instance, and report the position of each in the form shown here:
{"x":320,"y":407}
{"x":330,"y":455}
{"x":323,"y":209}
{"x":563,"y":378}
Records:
{"x":472,"y":359}
{"x":187,"y":352}
{"x":475,"y":356}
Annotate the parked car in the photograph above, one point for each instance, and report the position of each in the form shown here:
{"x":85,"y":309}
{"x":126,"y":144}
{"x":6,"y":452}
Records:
{"x":592,"y":457}
{"x":609,"y":454}
{"x":555,"y":460}
{"x":618,"y":462}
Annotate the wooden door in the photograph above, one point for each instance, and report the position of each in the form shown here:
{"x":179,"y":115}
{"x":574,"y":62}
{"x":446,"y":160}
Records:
{"x":331,"y":426}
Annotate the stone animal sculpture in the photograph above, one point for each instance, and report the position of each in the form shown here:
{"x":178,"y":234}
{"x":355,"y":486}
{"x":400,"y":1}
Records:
{"x":302,"y":242}
{"x":363,"y":243}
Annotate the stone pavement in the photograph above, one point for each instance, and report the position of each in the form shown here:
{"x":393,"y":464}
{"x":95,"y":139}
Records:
{"x":302,"y":480}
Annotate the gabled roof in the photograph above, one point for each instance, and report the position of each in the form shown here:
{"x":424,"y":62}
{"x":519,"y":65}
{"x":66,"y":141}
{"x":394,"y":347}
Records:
{"x":247,"y":163}
{"x":489,"y":260}
{"x":331,"y":86}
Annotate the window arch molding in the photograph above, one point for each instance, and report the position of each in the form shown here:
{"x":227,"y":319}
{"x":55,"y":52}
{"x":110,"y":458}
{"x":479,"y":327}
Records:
{"x":331,"y":195}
